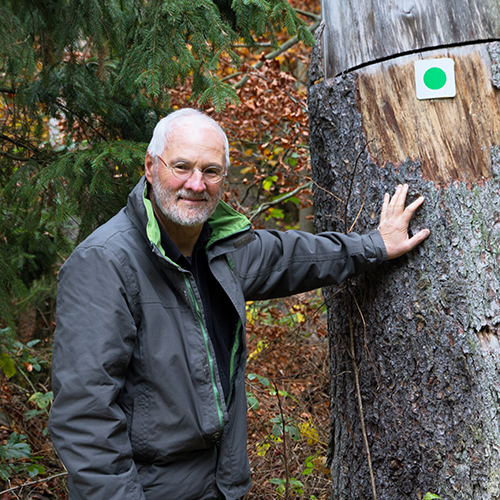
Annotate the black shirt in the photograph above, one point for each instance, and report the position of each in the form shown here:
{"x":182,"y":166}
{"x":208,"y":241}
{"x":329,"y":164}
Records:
{"x":219,"y":312}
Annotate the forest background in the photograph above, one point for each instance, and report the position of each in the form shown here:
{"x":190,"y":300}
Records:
{"x":82,"y":85}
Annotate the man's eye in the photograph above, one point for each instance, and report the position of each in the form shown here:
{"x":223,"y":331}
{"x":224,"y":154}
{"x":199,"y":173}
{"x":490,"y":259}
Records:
{"x":212,"y":172}
{"x":182,"y":168}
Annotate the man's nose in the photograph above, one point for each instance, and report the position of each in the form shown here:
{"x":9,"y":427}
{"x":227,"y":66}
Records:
{"x":196,"y":182}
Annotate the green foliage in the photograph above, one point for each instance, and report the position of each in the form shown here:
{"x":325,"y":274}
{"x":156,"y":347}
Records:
{"x":15,"y":456}
{"x":431,"y":496}
{"x":14,"y":355}
{"x":91,"y":185}
{"x":296,"y":485}
{"x":286,"y":434}
{"x":309,"y":465}
{"x":266,"y":383}
{"x":7,"y":365}
{"x":25,"y":363}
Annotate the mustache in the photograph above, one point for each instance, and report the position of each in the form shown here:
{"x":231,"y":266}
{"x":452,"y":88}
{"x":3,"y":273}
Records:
{"x":187,"y":193}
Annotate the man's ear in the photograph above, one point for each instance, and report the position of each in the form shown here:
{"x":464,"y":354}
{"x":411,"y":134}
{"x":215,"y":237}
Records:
{"x":149,"y":165}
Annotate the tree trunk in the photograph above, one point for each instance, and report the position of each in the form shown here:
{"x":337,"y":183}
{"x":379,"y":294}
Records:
{"x":417,"y":341}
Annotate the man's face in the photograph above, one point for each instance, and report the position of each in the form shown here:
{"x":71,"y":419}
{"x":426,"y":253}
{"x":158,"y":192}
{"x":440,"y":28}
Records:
{"x":188,"y":202}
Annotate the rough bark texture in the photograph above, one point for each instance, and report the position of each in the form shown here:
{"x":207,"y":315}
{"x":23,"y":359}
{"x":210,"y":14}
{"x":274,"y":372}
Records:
{"x":424,"y":329}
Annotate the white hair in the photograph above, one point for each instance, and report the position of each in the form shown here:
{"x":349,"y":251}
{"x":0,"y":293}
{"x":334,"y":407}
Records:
{"x":165,"y":127}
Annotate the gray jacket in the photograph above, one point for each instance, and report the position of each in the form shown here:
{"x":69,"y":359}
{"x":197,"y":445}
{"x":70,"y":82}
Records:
{"x":139,"y":411}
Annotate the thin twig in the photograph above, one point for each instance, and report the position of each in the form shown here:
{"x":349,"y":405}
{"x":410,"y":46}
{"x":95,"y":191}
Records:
{"x":275,"y":53}
{"x":358,"y":214}
{"x":351,"y":185}
{"x":249,"y":46}
{"x":360,"y":404}
{"x":285,"y":452}
{"x":304,"y":107}
{"x":281,"y":199}
{"x":265,"y":434}
{"x":33,"y":482}
{"x":17,"y":158}
{"x":349,"y":431}
{"x":309,"y":318}
{"x":231,"y":76}
{"x":366,"y":341}
{"x":58,"y":103}
{"x":306,"y":13}
{"x":18,"y":143}
{"x":327,"y":192}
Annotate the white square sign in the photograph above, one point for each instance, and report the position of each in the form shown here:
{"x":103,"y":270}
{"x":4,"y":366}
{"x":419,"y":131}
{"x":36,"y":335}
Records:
{"x":435,"y":78}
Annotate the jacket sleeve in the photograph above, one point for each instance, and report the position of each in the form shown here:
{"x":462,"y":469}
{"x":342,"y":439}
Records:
{"x":279,"y":264}
{"x":93,"y":344}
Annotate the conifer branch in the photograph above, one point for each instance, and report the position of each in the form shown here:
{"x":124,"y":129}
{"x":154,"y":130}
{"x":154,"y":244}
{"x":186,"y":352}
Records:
{"x":14,"y":157}
{"x":17,"y":143}
{"x":61,"y":105}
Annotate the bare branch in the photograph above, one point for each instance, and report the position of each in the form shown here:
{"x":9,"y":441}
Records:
{"x":17,"y":142}
{"x":328,"y":192}
{"x":61,"y":105}
{"x":312,"y":15}
{"x":14,"y":157}
{"x":352,"y":353}
{"x":33,"y":482}
{"x":275,"y":53}
{"x":281,"y":199}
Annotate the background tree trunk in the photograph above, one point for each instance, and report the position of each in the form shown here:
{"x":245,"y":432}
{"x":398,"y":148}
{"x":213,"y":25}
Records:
{"x":421,"y":333}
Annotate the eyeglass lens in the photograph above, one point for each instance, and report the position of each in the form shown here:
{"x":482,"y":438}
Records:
{"x":182,"y":172}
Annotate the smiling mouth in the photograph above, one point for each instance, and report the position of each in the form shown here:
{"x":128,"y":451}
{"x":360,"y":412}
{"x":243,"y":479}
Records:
{"x":191,"y":197}
{"x":191,"y":200}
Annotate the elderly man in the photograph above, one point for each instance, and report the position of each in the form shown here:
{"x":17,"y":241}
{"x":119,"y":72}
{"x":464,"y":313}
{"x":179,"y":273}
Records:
{"x":149,"y":351}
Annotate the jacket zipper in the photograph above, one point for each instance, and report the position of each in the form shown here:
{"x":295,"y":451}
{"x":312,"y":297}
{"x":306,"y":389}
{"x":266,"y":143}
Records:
{"x":217,"y":397}
{"x":236,"y":346}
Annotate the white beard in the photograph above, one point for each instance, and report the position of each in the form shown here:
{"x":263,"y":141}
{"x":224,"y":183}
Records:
{"x":167,"y":199}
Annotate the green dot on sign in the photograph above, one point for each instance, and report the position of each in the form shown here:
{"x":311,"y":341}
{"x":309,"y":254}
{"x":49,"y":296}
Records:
{"x":435,"y":78}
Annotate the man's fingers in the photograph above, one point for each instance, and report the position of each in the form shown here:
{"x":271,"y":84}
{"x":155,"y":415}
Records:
{"x":400,"y":195}
{"x":397,"y":202}
{"x":394,"y":251}
{"x":385,"y":205}
{"x":412,"y":207}
{"x":418,"y":238}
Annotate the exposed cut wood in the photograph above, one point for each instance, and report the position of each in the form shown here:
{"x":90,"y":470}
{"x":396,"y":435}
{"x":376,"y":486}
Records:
{"x":451,"y":137}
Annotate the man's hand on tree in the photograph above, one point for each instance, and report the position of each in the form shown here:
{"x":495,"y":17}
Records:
{"x":394,"y":221}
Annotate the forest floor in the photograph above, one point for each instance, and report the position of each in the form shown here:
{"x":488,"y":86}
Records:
{"x":288,"y":386}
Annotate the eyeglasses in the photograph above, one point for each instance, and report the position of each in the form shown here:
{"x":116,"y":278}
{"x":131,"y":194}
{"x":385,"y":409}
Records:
{"x":183,"y":172}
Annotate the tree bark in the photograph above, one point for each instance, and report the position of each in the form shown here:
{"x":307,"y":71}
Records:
{"x":422,"y":332}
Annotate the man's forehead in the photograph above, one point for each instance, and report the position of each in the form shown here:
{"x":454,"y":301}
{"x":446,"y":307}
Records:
{"x":194,"y":138}
{"x":194,"y":124}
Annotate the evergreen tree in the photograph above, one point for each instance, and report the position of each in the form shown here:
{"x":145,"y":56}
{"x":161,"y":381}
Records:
{"x":82,"y":85}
